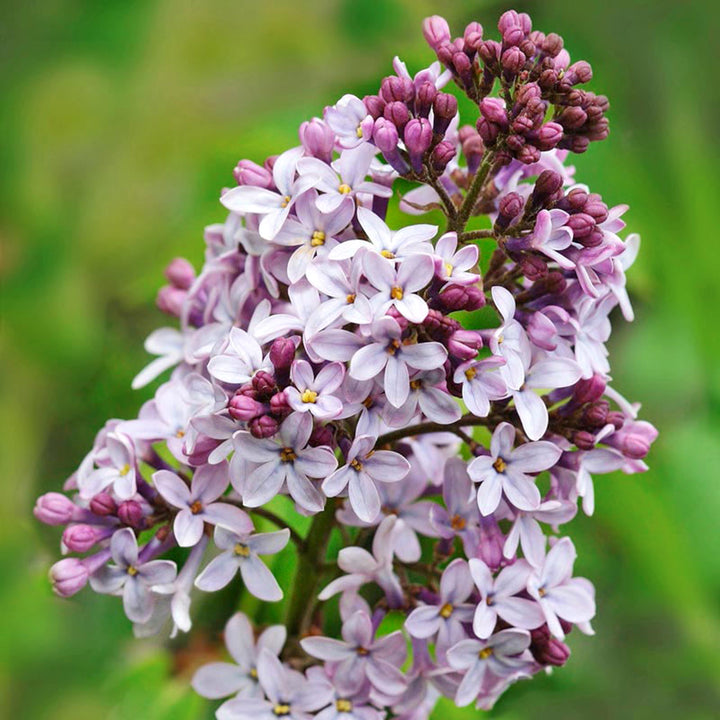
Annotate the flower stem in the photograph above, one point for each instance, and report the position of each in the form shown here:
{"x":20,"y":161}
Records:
{"x":460,"y":221}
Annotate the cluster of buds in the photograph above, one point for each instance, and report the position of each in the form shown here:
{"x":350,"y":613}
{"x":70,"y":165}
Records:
{"x":320,"y":371}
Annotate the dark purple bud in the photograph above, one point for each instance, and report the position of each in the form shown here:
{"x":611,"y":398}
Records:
{"x":547,"y":186}
{"x":487,"y":131}
{"x":68,"y":576}
{"x":555,"y":283}
{"x":546,"y":649}
{"x":464,"y":344}
{"x":317,"y":139}
{"x":444,"y":110}
{"x":528,"y":155}
{"x":461,"y":297}
{"x":489,"y":52}
{"x":464,"y":68}
{"x":385,"y":136}
{"x":103,"y":504}
{"x":131,"y":513}
{"x":595,"y":415}
{"x":616,"y":418}
{"x":552,"y":44}
{"x":375,"y":105}
{"x":244,"y":408}
{"x":263,"y":427}
{"x":472,"y":37}
{"x":473,"y":149}
{"x":513,"y":60}
{"x":533,"y":267}
{"x":549,"y":135}
{"x":321,"y":435}
{"x":597,"y":210}
{"x":282,"y":353}
{"x":579,"y":72}
{"x":180,"y":273}
{"x":581,"y":224}
{"x":263,"y":383}
{"x":436,"y":31}
{"x":418,"y":136}
{"x":249,"y":173}
{"x":572,"y":118}
{"x":279,"y":404}
{"x":424,"y":99}
{"x":170,"y":300}
{"x":441,"y":155}
{"x":589,"y":389}
{"x":584,"y":440}
{"x":81,"y":538}
{"x":398,"y":114}
{"x":54,"y":509}
{"x":397,"y":89}
{"x":490,"y":542}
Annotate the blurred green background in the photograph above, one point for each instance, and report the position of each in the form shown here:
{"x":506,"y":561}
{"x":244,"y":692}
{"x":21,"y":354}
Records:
{"x":120,"y":123}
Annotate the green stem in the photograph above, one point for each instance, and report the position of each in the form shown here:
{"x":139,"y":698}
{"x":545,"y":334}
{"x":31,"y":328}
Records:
{"x":311,"y":558}
{"x":466,"y":208}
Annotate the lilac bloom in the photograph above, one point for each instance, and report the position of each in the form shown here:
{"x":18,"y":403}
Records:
{"x":510,"y":340}
{"x":503,"y":655}
{"x":241,"y":553}
{"x":346,"y":300}
{"x":616,"y":281}
{"x":132,"y":576}
{"x":451,"y":264}
{"x":314,"y":393}
{"x":304,"y":300}
{"x":591,"y":332}
{"x":505,"y":470}
{"x":286,"y":459}
{"x":352,"y":167}
{"x":498,"y":598}
{"x":597,"y":460}
{"x":480,"y":384}
{"x":558,"y":593}
{"x":362,"y":567}
{"x":359,"y":655}
{"x":197,"y":503}
{"x":344,"y":704}
{"x":221,"y":679}
{"x":313,"y":233}
{"x":390,"y":354}
{"x":274,"y":206}
{"x":241,"y":358}
{"x":398,"y":287}
{"x":527,"y":532}
{"x":390,"y":244}
{"x":169,"y":345}
{"x":289,"y":694}
{"x":117,"y":469}
{"x":547,"y":374}
{"x":445,"y":619}
{"x":436,"y":404}
{"x":365,"y":400}
{"x":459,"y":517}
{"x":435,"y":74}
{"x":550,"y":236}
{"x":365,"y":467}
{"x":350,"y":121}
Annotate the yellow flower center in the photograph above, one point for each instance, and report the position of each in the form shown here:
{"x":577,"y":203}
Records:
{"x":350,"y":299}
{"x":241,"y":550}
{"x":132,"y":571}
{"x":485,"y":653}
{"x":318,"y":238}
{"x":458,"y":523}
{"x":387,"y":254}
{"x":281,"y":710}
{"x":344,"y":189}
{"x":253,"y":673}
{"x":356,"y":465}
{"x":470,"y":373}
{"x":393,"y":347}
{"x":343,"y":705}
{"x":196,"y":507}
{"x":448,"y":269}
{"x":500,"y":465}
{"x":415,"y":384}
{"x":358,"y":132}
{"x":446,"y":610}
{"x":287,"y":455}
{"x":285,"y":202}
{"x":309,"y":396}
{"x":363,"y":651}
{"x":396,"y":293}
{"x":125,"y":470}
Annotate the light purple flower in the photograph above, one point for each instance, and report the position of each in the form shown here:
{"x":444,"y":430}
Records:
{"x":388,"y":243}
{"x":550,"y":236}
{"x":239,"y":361}
{"x":480,"y":384}
{"x":197,"y":503}
{"x":241,"y":553}
{"x":288,"y":694}
{"x":398,"y":287}
{"x":503,"y":655}
{"x":169,"y":345}
{"x":220,"y":679}
{"x":505,"y":470}
{"x":117,"y":469}
{"x":498,"y":598}
{"x":314,"y":393}
{"x":558,"y":593}
{"x":132,"y":576}
{"x":444,"y":620}
{"x":510,"y":340}
{"x":388,"y":353}
{"x":285,"y":460}
{"x":359,"y":655}
{"x":451,"y":264}
{"x":365,"y":467}
{"x":426,"y":395}
{"x":273,"y":206}
{"x":350,"y":121}
{"x":597,"y":460}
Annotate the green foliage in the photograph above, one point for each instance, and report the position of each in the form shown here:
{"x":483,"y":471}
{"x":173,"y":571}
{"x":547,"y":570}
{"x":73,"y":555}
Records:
{"x":121,"y":121}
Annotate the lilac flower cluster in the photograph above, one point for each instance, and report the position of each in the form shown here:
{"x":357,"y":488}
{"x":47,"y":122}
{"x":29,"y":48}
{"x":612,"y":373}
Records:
{"x":321,"y":373}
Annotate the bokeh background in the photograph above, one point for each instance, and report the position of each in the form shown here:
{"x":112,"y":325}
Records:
{"x":121,"y":121}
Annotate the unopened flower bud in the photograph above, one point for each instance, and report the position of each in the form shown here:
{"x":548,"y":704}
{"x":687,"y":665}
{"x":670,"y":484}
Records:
{"x":441,"y":155}
{"x":472,"y":37}
{"x":548,"y":184}
{"x":461,"y":297}
{"x":589,"y":389}
{"x":374,"y":105}
{"x":249,"y":173}
{"x":400,"y":89}
{"x":385,"y":136}
{"x":317,"y":139}
{"x":103,"y":504}
{"x":321,"y":435}
{"x":170,"y":300}
{"x":424,"y":99}
{"x":264,"y":426}
{"x":279,"y":403}
{"x":549,"y":135}
{"x":533,"y":267}
{"x":510,"y":206}
{"x":513,"y":60}
{"x":418,"y":138}
{"x":282,"y":353}
{"x":244,"y":409}
{"x":82,"y":538}
{"x":436,"y":31}
{"x":444,"y":110}
{"x":68,"y":576}
{"x":493,"y":110}
{"x":464,"y":344}
{"x":180,"y":273}
{"x":54,"y":509}
{"x":546,"y":649}
{"x":584,"y":440}
{"x":131,"y":513}
{"x":398,"y":114}
{"x":263,"y":383}
{"x":581,"y":224}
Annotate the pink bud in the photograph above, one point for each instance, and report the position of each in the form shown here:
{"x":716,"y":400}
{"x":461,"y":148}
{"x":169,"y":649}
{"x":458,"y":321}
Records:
{"x":170,"y":300}
{"x":263,"y":427}
{"x":103,"y":504}
{"x":68,"y":576}
{"x":317,"y":139}
{"x":249,"y":173}
{"x":131,"y":513}
{"x":180,"y":273}
{"x":81,"y":538}
{"x":244,"y":408}
{"x":436,"y":31}
{"x":54,"y":509}
{"x":282,"y":353}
